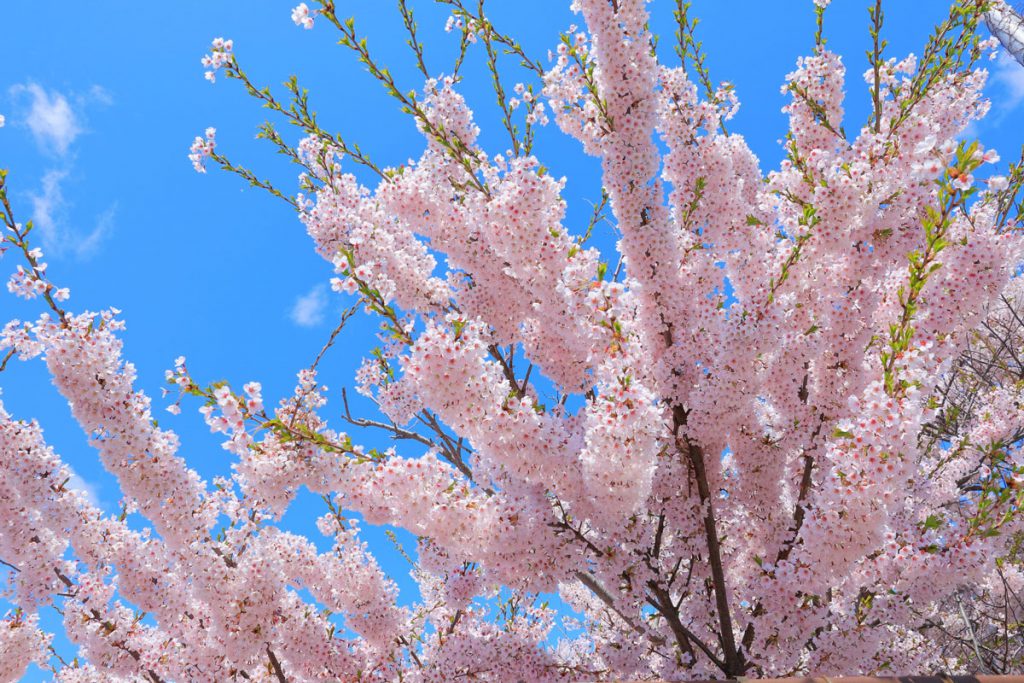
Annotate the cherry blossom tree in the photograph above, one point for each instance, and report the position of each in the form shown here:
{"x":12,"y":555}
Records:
{"x":780,"y":433}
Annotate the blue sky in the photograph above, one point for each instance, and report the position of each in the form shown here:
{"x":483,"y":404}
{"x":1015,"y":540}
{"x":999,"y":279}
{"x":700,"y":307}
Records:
{"x":102,"y":100}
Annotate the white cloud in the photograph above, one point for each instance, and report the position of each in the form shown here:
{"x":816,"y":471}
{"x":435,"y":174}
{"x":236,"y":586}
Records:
{"x":48,"y":208}
{"x":87,"y":246}
{"x":1010,"y":75}
{"x":308,"y":310}
{"x":76,"y":483}
{"x":53,"y":123}
{"x":54,"y":120}
{"x":49,"y":216}
{"x":100,"y":95}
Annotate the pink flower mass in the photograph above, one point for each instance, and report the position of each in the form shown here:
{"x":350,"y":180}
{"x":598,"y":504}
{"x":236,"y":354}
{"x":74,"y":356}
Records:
{"x":775,"y":430}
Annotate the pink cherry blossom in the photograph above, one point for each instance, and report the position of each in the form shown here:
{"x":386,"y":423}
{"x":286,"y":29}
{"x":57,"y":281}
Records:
{"x":776,"y":430}
{"x":302,"y":16}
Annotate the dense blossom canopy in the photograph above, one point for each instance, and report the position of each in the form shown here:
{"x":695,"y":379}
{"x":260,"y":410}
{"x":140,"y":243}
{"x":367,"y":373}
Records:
{"x":769,"y":453}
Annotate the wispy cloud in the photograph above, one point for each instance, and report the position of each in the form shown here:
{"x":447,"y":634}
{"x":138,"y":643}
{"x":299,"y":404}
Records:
{"x":50,"y":218}
{"x":48,"y":206}
{"x":87,"y":246}
{"x":308,"y":310}
{"x":55,"y":121}
{"x":99,"y":95}
{"x":51,"y":119}
{"x":1009,"y":74}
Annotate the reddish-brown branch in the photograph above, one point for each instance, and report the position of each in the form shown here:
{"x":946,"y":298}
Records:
{"x":276,"y":665}
{"x":733,"y":658}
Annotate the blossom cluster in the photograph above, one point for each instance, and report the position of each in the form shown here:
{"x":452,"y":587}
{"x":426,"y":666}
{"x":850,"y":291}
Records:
{"x":219,"y":57}
{"x":201,"y":149}
{"x":302,"y":16}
